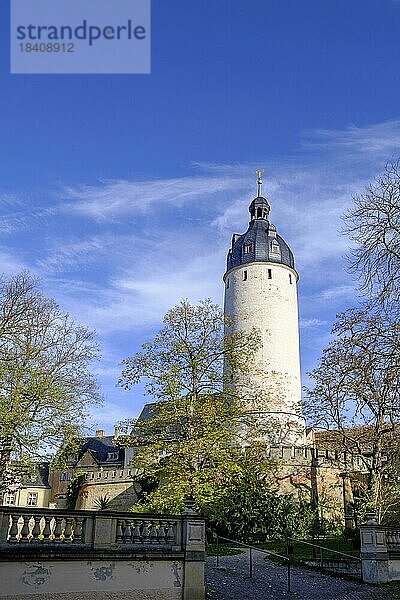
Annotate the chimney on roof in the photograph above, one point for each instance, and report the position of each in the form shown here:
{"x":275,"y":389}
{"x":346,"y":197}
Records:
{"x":116,"y":432}
{"x":99,"y":433}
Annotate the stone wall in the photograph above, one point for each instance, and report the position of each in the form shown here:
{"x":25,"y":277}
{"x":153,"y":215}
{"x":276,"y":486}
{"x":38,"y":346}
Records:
{"x":133,"y":579}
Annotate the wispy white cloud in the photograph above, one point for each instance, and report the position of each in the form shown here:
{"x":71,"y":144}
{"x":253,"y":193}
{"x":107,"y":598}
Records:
{"x":116,"y":198}
{"x":380,"y":139}
{"x":310,"y":323}
{"x":70,"y":255}
{"x":340,"y":291}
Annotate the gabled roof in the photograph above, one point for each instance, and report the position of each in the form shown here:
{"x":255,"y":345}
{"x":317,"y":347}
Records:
{"x":100,"y":449}
{"x":40,"y":477}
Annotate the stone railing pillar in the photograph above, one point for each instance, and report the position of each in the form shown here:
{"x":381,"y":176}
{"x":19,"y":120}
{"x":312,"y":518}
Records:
{"x":104,"y":530}
{"x":374,"y":552}
{"x":4,"y":526}
{"x":193,"y":545}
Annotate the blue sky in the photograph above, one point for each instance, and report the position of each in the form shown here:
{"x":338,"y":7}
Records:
{"x":121,"y":192}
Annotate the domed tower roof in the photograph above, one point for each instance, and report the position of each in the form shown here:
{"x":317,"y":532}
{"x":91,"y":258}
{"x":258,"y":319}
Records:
{"x":260,"y":243}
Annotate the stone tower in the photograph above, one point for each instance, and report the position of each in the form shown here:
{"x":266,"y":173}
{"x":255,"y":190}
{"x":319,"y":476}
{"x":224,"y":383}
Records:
{"x":261,"y":292}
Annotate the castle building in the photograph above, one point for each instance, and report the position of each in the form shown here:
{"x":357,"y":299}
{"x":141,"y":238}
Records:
{"x":261,"y":293}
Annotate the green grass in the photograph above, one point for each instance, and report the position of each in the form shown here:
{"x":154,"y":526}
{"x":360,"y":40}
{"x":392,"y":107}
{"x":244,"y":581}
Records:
{"x":303,"y":552}
{"x":223,"y":550}
{"x":299,"y":551}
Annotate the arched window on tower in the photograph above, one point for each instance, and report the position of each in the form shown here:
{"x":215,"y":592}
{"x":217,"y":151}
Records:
{"x":247,"y":248}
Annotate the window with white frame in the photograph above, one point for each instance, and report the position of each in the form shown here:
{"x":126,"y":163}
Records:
{"x":9,"y":498}
{"x":275,"y":249}
{"x":32,"y":499}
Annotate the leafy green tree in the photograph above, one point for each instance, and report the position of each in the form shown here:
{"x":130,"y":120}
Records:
{"x":74,"y":486}
{"x":243,"y":506}
{"x":45,"y":383}
{"x":191,"y":443}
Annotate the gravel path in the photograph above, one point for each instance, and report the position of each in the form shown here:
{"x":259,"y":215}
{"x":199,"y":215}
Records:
{"x":231,"y":582}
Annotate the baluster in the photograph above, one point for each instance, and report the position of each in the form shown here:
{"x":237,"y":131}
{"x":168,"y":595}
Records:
{"x":127,"y":532}
{"x":68,"y":529}
{"x":171,"y":535}
{"x":36,"y":529}
{"x":136,"y":532}
{"x":145,"y":532}
{"x":162,"y":532}
{"x":58,"y":529}
{"x":24,"y":534}
{"x":47,"y":528}
{"x":153,"y":532}
{"x":78,"y":530}
{"x":13,"y":535}
{"x":120,"y":524}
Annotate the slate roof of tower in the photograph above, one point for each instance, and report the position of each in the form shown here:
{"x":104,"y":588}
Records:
{"x":260,"y":236}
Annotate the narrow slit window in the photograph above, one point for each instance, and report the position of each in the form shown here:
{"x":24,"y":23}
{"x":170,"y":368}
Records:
{"x":244,"y":275}
{"x":269,"y":274}
{"x":290,"y":278}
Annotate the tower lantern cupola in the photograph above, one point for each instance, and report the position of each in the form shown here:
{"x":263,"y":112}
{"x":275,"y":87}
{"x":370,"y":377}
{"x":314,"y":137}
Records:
{"x":259,"y":208}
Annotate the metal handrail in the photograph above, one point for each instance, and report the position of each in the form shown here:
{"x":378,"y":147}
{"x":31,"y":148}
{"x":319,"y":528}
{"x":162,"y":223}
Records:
{"x":325,"y":548}
{"x":251,"y":548}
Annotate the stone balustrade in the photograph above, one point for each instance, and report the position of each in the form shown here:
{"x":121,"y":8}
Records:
{"x":145,"y":531}
{"x":45,"y":529}
{"x":21,"y":526}
{"x":393,"y":539}
{"x":135,"y":555}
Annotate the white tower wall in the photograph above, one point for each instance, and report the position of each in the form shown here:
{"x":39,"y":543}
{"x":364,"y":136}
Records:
{"x":264,"y":295}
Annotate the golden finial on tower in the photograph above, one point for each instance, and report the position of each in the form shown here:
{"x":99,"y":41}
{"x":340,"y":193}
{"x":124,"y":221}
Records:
{"x":259,"y":173}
